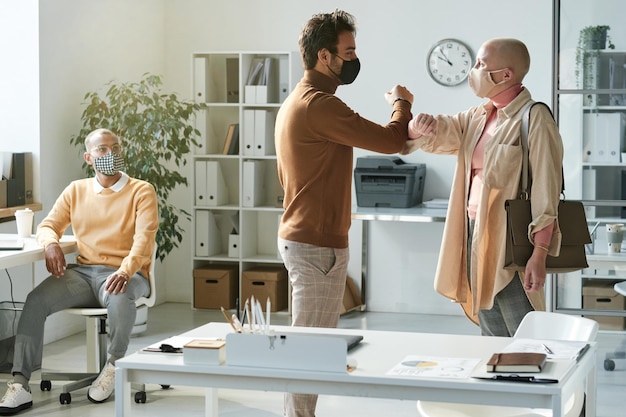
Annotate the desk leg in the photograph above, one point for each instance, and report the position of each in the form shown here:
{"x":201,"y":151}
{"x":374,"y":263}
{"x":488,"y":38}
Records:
{"x":591,"y":391}
{"x":364,"y":260}
{"x":557,"y":405}
{"x":122,"y":393}
{"x":210,"y":402}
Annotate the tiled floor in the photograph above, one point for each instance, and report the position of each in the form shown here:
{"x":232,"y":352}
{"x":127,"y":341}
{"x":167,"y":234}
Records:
{"x":172,"y":318}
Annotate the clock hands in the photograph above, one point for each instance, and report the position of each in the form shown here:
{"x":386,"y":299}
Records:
{"x":444,"y":58}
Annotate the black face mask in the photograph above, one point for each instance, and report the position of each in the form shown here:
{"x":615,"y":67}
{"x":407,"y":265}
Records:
{"x":349,"y":70}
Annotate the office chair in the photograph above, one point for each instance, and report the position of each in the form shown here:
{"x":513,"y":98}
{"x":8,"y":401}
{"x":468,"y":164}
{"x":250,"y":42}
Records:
{"x":535,"y":325}
{"x":96,"y":335}
{"x":620,"y":351}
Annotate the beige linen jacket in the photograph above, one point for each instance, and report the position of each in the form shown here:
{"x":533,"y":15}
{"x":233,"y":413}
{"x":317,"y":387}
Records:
{"x":458,"y":134}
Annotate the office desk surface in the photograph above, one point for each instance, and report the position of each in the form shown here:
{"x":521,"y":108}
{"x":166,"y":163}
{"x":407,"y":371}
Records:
{"x":412,"y":214}
{"x":378,"y":353}
{"x":32,"y":252}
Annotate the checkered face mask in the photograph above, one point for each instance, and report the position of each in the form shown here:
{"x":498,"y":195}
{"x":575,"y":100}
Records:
{"x":109,"y":164}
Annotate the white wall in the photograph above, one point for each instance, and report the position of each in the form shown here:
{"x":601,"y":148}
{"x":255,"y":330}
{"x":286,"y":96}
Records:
{"x":19,"y":83}
{"x":85,"y":43}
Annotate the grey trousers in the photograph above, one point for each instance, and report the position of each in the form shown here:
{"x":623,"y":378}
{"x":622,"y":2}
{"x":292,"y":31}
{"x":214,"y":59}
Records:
{"x":318,"y":281}
{"x":510,"y":305}
{"x":80,"y":286}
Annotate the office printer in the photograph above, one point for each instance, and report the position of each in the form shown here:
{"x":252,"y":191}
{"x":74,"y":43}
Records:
{"x":387,"y":181}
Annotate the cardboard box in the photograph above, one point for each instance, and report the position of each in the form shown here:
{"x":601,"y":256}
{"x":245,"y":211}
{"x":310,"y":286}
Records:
{"x":600,"y":295}
{"x":215,"y":286}
{"x":351,"y":297}
{"x":264,"y":282}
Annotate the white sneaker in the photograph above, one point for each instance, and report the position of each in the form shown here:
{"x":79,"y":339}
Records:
{"x":15,"y":400}
{"x":102,"y":388}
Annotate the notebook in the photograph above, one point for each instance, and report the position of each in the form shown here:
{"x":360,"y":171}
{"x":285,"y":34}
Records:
{"x":11,"y":245}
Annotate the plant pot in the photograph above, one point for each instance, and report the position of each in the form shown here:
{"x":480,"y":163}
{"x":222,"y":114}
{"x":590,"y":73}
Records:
{"x":595,"y":40}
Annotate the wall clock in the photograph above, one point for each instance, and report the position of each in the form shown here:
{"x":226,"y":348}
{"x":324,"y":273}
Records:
{"x":449,"y":62}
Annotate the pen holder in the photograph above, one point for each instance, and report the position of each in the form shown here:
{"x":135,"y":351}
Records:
{"x":301,"y":352}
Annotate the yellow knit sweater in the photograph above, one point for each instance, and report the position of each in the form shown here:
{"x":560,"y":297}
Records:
{"x":115,"y":229}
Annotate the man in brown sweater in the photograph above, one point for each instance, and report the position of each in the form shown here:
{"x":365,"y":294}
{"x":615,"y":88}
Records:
{"x":315,"y":136}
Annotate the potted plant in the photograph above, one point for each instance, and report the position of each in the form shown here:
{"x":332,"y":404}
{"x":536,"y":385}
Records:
{"x":591,"y":39}
{"x":157,"y":133}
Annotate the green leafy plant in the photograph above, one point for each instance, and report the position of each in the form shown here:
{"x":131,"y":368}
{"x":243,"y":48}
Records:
{"x":157,"y":133}
{"x":591,"y":39}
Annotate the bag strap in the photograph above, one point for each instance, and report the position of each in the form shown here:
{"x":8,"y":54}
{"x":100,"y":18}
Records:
{"x":524,"y":140}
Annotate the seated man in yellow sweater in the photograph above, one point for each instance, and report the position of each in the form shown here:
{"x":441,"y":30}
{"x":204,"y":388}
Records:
{"x":114,"y":219}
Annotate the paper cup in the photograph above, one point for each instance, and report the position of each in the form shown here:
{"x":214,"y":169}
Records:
{"x":24,"y":220}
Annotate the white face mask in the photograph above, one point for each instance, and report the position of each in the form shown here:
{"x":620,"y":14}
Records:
{"x":481,"y":83}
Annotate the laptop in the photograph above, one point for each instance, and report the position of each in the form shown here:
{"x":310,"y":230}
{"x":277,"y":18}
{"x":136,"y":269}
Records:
{"x":11,"y":245}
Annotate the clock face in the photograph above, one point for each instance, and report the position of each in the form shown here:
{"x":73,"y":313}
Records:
{"x":449,"y":62}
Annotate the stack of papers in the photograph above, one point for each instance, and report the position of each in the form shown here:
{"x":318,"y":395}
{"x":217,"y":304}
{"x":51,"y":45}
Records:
{"x":438,"y":203}
{"x":555,"y":349}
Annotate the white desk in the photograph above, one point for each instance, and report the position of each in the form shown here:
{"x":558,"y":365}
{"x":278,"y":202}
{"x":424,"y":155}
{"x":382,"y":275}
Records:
{"x":379,"y":352}
{"x":32,"y":252}
{"x":417,"y":214}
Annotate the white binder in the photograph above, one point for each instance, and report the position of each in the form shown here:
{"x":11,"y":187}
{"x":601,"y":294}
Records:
{"x":201,"y":125}
{"x":264,"y":133}
{"x":250,"y":94}
{"x":247,"y":148}
{"x":603,"y":135}
{"x":216,"y":193}
{"x":233,"y":246}
{"x":200,"y":80}
{"x":589,"y":191}
{"x":253,"y":183}
{"x":201,"y":185}
{"x":283,"y":78}
{"x":208,"y":240}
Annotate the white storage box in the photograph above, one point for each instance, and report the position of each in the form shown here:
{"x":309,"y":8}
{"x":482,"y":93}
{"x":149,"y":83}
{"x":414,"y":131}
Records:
{"x":204,"y":352}
{"x":304,"y":352}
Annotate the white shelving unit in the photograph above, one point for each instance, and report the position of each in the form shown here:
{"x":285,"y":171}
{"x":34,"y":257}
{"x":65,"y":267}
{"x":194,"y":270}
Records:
{"x":238,"y":199}
{"x":590,"y":106}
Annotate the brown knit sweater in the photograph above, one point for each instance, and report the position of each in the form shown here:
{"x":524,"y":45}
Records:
{"x":315,"y":136}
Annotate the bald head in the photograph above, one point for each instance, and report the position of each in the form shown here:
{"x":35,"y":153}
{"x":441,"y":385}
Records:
{"x":508,"y":53}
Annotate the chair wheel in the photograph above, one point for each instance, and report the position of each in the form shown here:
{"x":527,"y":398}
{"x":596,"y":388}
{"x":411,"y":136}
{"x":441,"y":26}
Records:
{"x":165,"y":387}
{"x":609,"y":365}
{"x":65,"y":398}
{"x":45,"y":385}
{"x":140,"y":397}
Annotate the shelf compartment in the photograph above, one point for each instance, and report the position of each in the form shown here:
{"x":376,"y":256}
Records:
{"x":213,"y":123}
{"x":261,"y":229}
{"x":216,"y":78}
{"x":212,"y":230}
{"x":216,"y":182}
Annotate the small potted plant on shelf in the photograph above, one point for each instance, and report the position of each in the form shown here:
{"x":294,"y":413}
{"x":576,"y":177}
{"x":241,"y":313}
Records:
{"x":157,"y":133}
{"x":591,"y":39}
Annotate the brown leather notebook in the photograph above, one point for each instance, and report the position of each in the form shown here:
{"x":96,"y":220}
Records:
{"x":516,"y":362}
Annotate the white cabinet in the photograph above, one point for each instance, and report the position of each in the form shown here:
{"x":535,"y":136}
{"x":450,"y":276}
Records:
{"x":590,"y":106}
{"x":237,"y":200}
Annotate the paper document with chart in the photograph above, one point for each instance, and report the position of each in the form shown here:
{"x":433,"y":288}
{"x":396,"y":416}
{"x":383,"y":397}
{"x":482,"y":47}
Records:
{"x":413,"y":366}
